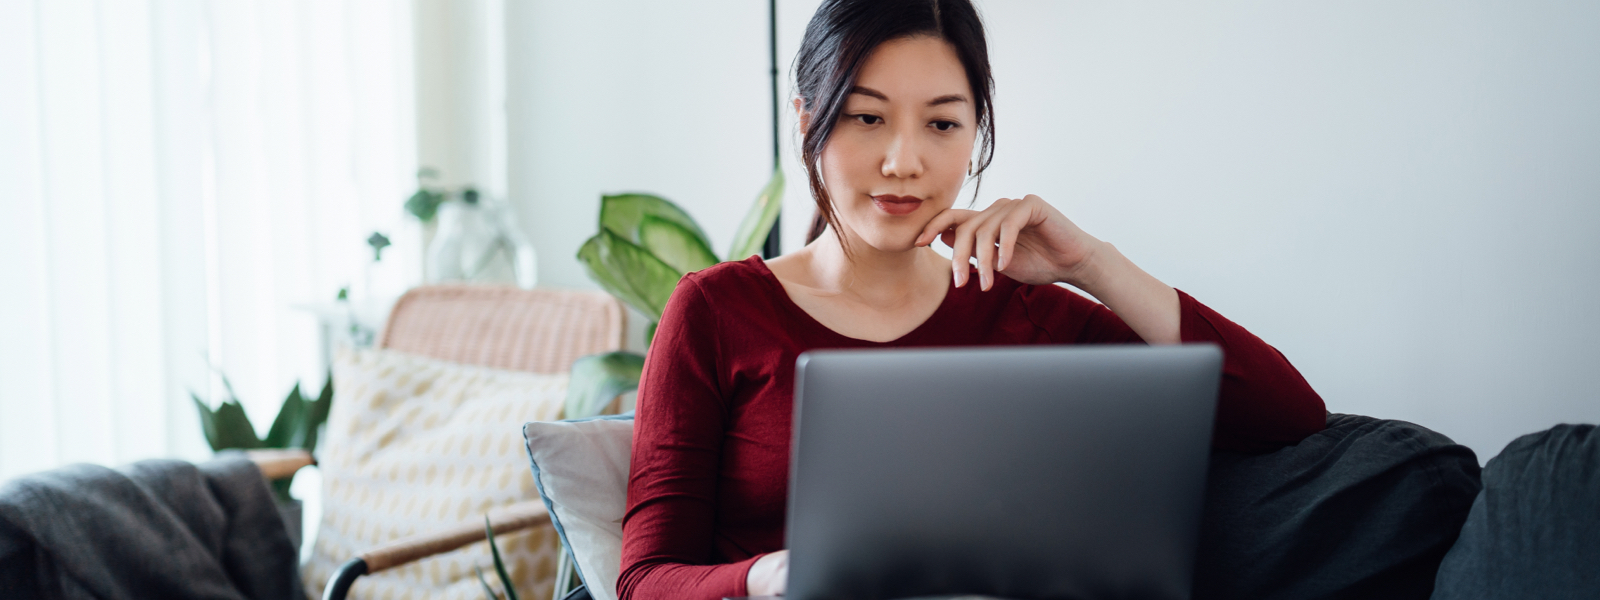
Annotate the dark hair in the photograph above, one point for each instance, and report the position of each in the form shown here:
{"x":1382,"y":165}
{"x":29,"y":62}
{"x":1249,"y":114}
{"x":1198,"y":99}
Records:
{"x":838,"y":40}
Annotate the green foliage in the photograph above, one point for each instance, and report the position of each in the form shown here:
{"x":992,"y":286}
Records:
{"x":499,"y":567}
{"x":629,"y":272}
{"x":226,"y":427}
{"x":484,"y":581}
{"x":644,"y":246}
{"x":752,"y":231}
{"x":675,"y":244}
{"x":623,"y":213}
{"x":287,"y":424}
{"x":425,"y":203}
{"x":598,"y":378}
{"x":297,"y":425}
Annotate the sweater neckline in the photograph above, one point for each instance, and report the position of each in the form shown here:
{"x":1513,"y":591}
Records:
{"x":775,"y":287}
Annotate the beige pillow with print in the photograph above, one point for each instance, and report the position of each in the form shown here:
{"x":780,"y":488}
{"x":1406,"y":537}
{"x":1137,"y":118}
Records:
{"x":416,"y":445}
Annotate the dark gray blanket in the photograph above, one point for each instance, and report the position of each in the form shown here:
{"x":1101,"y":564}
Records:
{"x":152,"y":529}
{"x":1364,"y":509}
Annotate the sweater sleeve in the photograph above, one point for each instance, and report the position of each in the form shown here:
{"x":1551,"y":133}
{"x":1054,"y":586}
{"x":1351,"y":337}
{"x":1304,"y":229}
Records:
{"x":1263,"y":404}
{"x":677,"y":442}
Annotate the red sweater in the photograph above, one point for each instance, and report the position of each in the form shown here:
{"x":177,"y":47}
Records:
{"x":710,"y":470}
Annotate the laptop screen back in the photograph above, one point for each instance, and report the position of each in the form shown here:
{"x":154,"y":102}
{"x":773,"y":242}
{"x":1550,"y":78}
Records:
{"x":1018,"y":472}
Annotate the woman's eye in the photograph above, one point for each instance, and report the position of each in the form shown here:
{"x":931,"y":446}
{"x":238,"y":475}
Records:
{"x":867,"y":119}
{"x":945,"y":125}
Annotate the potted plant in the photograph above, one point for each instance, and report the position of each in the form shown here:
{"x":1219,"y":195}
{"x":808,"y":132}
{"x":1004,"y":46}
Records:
{"x":297,"y":426}
{"x":644,"y":246}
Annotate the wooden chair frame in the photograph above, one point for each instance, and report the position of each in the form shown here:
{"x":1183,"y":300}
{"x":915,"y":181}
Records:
{"x":283,"y":464}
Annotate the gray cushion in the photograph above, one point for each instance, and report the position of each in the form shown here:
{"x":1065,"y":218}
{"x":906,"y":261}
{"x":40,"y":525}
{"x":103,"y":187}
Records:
{"x":1534,"y":532}
{"x":581,"y":469}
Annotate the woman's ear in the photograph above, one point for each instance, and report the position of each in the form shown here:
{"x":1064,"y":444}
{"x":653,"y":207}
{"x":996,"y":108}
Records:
{"x":799,"y":111}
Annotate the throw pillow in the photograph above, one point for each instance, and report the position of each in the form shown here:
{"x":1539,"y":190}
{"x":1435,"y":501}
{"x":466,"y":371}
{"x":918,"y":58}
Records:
{"x":581,"y":469}
{"x":1532,"y":532}
{"x":414,"y":446}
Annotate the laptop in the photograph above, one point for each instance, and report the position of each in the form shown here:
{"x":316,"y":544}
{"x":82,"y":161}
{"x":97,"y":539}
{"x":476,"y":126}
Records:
{"x":1008,"y":472}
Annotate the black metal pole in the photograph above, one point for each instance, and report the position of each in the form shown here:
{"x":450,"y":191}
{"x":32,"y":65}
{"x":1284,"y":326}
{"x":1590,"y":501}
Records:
{"x":773,"y":247}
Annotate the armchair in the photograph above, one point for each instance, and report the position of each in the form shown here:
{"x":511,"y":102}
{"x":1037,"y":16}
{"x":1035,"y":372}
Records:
{"x":541,"y":331}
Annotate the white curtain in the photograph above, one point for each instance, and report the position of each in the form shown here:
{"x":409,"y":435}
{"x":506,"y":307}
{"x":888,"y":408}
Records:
{"x":176,"y":176}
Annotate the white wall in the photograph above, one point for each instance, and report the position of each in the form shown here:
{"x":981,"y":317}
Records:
{"x":460,"y":78}
{"x":610,"y":96}
{"x":1402,"y":198}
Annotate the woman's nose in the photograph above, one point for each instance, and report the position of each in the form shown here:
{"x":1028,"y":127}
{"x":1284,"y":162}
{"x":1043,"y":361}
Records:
{"x":902,"y":159}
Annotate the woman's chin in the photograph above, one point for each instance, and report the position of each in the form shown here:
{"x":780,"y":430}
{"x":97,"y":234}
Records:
{"x":893,"y":240}
{"x":894,"y":234}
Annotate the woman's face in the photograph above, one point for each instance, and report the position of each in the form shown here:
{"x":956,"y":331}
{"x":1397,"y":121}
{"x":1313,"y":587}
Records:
{"x":900,"y":151}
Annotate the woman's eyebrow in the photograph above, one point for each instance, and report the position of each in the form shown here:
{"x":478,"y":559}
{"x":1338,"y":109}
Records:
{"x":945,"y":99}
{"x":866,"y":91}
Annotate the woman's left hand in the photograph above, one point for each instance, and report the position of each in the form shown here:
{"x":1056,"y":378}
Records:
{"x":1028,"y":240}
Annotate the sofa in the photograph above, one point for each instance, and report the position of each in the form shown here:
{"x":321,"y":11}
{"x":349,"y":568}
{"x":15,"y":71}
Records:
{"x":1366,"y":508}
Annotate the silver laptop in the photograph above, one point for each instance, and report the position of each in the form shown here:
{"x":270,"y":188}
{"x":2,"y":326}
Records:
{"x":1011,"y":472}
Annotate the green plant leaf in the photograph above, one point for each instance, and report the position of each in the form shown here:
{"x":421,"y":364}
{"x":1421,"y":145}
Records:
{"x":208,"y":420}
{"x":317,"y":414}
{"x":227,"y":427}
{"x":597,"y":379}
{"x":289,"y":423}
{"x":487,"y":591}
{"x":622,"y":214}
{"x":499,"y":567}
{"x":424,"y":204}
{"x":629,"y":272}
{"x":235,"y":428}
{"x":227,"y":385}
{"x":752,"y":232}
{"x":673,"y":244}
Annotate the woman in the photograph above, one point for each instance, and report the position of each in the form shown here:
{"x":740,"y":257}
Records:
{"x":894,"y":97}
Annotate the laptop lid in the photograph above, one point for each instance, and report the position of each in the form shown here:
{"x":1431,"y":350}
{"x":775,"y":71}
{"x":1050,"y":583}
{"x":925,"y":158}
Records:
{"x":1018,"y":472}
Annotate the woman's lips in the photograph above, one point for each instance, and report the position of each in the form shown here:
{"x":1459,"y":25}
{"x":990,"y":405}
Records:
{"x":897,"y":205}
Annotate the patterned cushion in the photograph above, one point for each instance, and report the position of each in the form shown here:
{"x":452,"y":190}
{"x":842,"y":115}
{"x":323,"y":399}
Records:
{"x":415,"y":445}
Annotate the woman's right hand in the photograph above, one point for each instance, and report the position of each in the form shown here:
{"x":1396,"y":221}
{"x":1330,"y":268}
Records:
{"x":769,"y":576}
